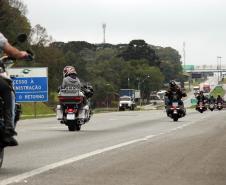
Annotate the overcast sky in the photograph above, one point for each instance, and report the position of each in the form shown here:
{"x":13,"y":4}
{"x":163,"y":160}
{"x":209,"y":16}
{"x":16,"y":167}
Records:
{"x":201,"y":24}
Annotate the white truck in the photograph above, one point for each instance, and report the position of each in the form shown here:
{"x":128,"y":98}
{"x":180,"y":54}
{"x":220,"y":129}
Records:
{"x":127,"y":99}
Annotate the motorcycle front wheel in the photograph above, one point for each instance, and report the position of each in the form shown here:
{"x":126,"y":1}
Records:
{"x":1,"y":156}
{"x":175,"y":119}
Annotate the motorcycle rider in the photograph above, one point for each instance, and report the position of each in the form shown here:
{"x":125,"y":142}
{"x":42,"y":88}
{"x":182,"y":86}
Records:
{"x":71,"y":80}
{"x":6,"y":93}
{"x":201,"y":98}
{"x":212,"y":100}
{"x":174,"y":88}
{"x":219,"y":99}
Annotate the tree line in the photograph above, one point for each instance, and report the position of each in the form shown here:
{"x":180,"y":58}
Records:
{"x":106,"y":67}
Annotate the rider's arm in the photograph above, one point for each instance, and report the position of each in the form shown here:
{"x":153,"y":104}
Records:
{"x":167,"y":93}
{"x":184,"y":94}
{"x":63,"y":85}
{"x":10,"y":50}
{"x":13,"y":52}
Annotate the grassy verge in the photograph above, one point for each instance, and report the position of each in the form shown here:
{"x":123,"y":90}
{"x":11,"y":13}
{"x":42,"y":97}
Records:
{"x":41,"y":110}
{"x":223,"y":81}
{"x":110,"y":109}
{"x":218,"y":90}
{"x":38,"y":109}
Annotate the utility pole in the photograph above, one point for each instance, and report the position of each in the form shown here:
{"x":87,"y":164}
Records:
{"x":184,"y":63}
{"x":184,"y":54}
{"x":139,"y":85}
{"x":104,"y":30}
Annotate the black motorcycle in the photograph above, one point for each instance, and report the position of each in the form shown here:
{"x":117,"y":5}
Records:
{"x":219,"y":105}
{"x":211,"y":106}
{"x":175,"y":110}
{"x":201,"y":106}
{"x":7,"y":61}
{"x":2,"y":133}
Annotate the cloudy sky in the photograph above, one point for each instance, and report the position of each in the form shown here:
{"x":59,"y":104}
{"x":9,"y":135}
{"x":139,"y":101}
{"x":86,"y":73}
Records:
{"x":201,"y":24}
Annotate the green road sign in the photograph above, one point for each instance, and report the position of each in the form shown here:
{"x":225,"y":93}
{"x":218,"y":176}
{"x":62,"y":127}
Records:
{"x":193,"y":101}
{"x":188,"y":67}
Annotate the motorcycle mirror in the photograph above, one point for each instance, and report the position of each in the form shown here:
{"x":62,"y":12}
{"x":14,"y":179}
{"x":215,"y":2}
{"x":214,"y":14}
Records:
{"x":22,"y":37}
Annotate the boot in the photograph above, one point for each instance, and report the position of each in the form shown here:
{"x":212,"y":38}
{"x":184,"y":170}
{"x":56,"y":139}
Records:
{"x":9,"y":140}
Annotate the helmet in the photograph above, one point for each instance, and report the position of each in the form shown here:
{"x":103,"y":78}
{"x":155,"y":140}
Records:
{"x":172,"y":83}
{"x":69,"y":70}
{"x":201,"y":92}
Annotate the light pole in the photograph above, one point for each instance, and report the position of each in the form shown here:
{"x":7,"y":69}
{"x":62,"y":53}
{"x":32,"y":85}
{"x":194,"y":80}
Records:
{"x":128,"y":81}
{"x":107,"y":97}
{"x":139,"y":84}
{"x":219,"y":67}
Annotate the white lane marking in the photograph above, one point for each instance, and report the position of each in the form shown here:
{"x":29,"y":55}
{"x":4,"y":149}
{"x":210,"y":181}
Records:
{"x":148,"y":137}
{"x":37,"y":171}
{"x":112,"y":119}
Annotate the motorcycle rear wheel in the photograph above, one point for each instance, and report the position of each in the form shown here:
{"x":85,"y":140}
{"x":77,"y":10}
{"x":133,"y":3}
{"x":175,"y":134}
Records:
{"x":74,"y":126}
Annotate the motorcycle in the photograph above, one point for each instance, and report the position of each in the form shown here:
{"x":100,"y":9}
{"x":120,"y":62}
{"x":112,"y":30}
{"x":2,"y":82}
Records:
{"x":2,"y":133}
{"x":201,"y":107}
{"x":74,"y":108}
{"x":7,"y":62}
{"x":175,"y":111}
{"x":219,"y":105}
{"x":211,"y":106}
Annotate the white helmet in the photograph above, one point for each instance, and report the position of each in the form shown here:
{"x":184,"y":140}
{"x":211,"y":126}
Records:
{"x":69,"y":70}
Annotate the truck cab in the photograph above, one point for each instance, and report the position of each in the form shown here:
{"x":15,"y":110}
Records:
{"x":126,"y":102}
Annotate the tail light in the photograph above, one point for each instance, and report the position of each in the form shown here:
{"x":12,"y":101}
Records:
{"x":71,"y":110}
{"x":71,"y":98}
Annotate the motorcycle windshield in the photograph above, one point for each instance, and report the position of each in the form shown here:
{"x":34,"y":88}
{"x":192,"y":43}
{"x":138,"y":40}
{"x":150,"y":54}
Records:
{"x":175,"y":104}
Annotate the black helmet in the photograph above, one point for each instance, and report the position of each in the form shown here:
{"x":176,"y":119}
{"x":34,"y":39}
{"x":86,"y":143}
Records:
{"x":201,"y":92}
{"x":172,"y":83}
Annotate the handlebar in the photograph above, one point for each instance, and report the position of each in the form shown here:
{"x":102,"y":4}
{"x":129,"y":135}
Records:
{"x":29,"y":57}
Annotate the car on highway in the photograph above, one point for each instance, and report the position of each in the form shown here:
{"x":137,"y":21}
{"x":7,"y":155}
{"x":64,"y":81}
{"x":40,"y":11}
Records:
{"x":156,"y":100}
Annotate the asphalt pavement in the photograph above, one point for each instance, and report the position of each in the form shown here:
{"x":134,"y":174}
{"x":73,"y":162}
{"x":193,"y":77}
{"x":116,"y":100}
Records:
{"x":125,"y":148}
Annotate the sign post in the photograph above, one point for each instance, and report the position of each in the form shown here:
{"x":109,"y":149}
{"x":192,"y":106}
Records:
{"x":30,"y":84}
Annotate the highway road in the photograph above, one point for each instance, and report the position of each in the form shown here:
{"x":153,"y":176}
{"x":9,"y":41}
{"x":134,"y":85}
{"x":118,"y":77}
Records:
{"x":120,"y":148}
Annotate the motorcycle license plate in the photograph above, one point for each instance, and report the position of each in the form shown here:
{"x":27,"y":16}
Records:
{"x":174,"y":112}
{"x":175,"y":104}
{"x":71,"y":116}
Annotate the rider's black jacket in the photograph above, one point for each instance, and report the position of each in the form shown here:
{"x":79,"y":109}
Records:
{"x":201,"y":98}
{"x":219,"y":100}
{"x":170,"y":92}
{"x":212,"y":100}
